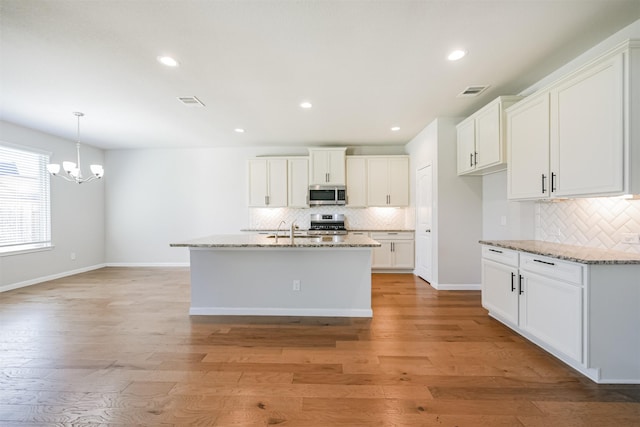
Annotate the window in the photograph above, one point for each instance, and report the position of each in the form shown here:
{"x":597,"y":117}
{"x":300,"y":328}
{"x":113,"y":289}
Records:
{"x":25,"y":215}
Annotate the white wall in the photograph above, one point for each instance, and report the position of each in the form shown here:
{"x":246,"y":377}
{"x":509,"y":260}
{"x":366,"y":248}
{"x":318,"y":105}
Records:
{"x":77,"y":215}
{"x":158,"y":196}
{"x":457,"y":209}
{"x":502,"y":219}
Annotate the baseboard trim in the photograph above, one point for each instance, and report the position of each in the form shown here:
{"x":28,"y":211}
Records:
{"x":42,"y":279}
{"x":147,"y":264}
{"x":457,"y":287}
{"x":253,"y":311}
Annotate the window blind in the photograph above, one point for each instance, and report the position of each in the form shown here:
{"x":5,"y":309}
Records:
{"x":25,"y":213}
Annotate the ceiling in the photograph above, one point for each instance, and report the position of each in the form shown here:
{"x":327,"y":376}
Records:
{"x":365,"y":65}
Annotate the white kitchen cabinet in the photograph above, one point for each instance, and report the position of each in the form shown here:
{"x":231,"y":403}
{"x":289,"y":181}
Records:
{"x":388,"y":181}
{"x":397,"y":250}
{"x":500,"y":283}
{"x":327,"y":166}
{"x":268,"y":182}
{"x":298,"y":189}
{"x":574,"y":138}
{"x":539,"y":296}
{"x":585,"y":314}
{"x":356,"y":181}
{"x":528,"y":136}
{"x":586,"y":138}
{"x":551,"y":308}
{"x":481,"y":141}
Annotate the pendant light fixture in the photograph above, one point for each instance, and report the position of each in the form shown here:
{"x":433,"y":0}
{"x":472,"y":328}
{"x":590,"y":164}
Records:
{"x":73,"y":170}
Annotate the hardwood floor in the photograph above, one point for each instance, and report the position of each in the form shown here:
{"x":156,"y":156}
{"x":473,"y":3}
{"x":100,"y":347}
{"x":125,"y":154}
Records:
{"x":117,"y":347}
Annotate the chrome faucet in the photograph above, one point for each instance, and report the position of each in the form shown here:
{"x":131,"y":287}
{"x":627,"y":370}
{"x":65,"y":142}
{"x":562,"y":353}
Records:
{"x":278,"y":230}
{"x":292,"y":230}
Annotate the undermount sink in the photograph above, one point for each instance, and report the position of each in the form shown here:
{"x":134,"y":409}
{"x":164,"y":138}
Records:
{"x":319,"y":239}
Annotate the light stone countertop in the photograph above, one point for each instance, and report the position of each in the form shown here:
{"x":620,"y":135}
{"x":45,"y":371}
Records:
{"x":580,"y":254}
{"x":262,"y":241}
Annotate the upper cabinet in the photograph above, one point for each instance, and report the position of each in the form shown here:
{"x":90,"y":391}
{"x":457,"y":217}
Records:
{"x":388,"y":181}
{"x":298,"y":182}
{"x":528,"y":136}
{"x":268,"y":182}
{"x":481,"y":139}
{"x":356,"y":181}
{"x":327,"y":166}
{"x":578,"y":138}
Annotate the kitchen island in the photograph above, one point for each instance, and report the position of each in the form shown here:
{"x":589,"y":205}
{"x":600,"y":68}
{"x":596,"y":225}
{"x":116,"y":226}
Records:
{"x":262,"y":275}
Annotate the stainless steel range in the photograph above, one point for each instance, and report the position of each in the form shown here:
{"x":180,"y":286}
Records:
{"x":327,"y":224}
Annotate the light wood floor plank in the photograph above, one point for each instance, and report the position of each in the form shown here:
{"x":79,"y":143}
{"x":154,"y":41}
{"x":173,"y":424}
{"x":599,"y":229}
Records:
{"x":116,"y":347}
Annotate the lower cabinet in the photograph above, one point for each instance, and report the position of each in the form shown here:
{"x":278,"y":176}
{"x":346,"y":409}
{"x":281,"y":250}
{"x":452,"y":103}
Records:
{"x":551,"y":310}
{"x":397,"y":250}
{"x":564,"y":308}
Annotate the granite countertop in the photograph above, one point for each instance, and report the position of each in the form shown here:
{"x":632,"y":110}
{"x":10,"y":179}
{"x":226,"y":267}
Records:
{"x":580,"y":254}
{"x":262,"y":241}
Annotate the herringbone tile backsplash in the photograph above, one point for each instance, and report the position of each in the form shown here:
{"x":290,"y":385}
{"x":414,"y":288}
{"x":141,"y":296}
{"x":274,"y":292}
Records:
{"x":597,"y":222}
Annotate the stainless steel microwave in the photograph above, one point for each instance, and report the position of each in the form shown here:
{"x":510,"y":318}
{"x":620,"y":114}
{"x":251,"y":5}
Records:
{"x":327,"y":195}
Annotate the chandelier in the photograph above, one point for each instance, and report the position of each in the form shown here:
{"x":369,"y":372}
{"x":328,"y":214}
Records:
{"x":72,"y":170}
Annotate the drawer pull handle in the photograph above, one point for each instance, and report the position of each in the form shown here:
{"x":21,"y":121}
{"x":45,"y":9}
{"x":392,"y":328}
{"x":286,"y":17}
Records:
{"x":544,"y":262}
{"x":495,"y":250}
{"x":513,"y":286}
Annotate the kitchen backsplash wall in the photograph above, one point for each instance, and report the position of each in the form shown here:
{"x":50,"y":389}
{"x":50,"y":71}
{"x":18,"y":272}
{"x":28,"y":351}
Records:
{"x":597,"y":222}
{"x":355,"y":218}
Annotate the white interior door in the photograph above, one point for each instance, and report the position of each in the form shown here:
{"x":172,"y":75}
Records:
{"x":424,"y":214}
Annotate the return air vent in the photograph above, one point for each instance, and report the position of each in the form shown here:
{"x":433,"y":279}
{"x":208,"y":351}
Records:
{"x":472,"y":91}
{"x":190,"y":101}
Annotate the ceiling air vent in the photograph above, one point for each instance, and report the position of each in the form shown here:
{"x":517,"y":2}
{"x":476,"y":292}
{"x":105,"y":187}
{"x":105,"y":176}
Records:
{"x":473,"y":91}
{"x":190,"y":101}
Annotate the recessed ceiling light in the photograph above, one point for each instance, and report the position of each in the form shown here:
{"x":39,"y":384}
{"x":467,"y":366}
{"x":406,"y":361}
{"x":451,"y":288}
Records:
{"x":456,"y":54}
{"x":168,"y":61}
{"x":306,"y":105}
{"x":395,"y":128}
{"x":239,"y":130}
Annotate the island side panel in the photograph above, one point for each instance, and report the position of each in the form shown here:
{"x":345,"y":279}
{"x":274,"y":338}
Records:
{"x":259,"y":281}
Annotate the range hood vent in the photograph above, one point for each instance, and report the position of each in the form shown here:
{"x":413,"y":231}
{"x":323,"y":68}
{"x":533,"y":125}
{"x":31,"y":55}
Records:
{"x":190,"y":101}
{"x":473,"y":91}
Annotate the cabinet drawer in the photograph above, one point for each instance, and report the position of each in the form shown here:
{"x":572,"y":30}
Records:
{"x":396,"y":235}
{"x":552,"y":267}
{"x":504,"y":256}
{"x":358,"y":233}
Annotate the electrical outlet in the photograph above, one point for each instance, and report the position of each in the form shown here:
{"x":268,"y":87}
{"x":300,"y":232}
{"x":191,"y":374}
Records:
{"x":503,"y":220}
{"x":72,"y":256}
{"x":296,"y":285}
{"x":631,"y":238}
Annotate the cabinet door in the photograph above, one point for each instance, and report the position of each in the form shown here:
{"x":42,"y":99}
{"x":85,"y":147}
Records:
{"x":378,"y":182}
{"x":318,"y":172}
{"x":335,"y":167}
{"x":500,"y":290}
{"x":356,"y":181}
{"x":381,"y":257}
{"x":398,"y":175}
{"x":489,"y":146}
{"x":466,"y":146}
{"x":403,"y":254}
{"x":298,"y":183}
{"x":277,"y":183}
{"x":257,"y":182}
{"x":528,"y":148}
{"x":587,"y":140}
{"x":551,"y":310}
